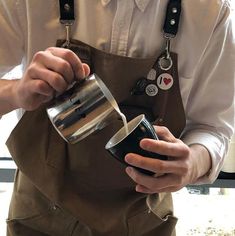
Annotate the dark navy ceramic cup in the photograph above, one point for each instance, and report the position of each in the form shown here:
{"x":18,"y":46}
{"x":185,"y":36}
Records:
{"x":123,"y":143}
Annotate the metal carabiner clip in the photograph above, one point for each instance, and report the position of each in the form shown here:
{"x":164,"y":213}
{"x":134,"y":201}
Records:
{"x":66,"y":44}
{"x":165,"y":62}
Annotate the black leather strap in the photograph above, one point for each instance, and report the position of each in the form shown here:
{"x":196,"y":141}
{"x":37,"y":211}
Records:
{"x":66,"y":11}
{"x":170,"y":27}
{"x":172,"y":19}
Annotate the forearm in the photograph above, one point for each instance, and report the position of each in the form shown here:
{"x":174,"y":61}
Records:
{"x":7,"y":96}
{"x":202,"y":162}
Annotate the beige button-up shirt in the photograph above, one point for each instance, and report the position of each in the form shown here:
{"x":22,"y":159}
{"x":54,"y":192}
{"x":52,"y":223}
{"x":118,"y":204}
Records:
{"x":205,"y":45}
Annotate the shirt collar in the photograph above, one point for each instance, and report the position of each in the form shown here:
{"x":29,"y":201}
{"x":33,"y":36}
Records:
{"x":141,"y":4}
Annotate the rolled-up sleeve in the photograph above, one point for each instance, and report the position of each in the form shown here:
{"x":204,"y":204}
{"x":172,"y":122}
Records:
{"x":210,"y":106}
{"x":11,"y":31}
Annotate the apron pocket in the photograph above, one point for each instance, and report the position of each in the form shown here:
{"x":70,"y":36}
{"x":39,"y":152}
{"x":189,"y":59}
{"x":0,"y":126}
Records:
{"x":54,"y":222}
{"x":150,"y":224}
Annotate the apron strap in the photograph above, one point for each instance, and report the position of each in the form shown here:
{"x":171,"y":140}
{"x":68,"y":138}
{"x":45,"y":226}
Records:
{"x":170,"y":30}
{"x":172,"y":18}
{"x":170,"y":27}
{"x":67,"y":18}
{"x":66,"y":11}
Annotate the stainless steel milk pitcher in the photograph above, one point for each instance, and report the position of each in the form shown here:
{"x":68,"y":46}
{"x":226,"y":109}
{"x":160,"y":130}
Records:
{"x":86,"y":107}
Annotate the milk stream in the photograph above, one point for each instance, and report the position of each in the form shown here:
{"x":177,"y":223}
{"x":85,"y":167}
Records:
{"x":114,"y":104}
{"x":124,"y":122}
{"x":123,"y":117}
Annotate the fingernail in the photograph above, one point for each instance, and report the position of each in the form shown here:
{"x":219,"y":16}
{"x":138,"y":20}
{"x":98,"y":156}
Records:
{"x":129,"y":170}
{"x":127,"y":158}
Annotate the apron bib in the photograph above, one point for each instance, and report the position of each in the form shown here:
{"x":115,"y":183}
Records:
{"x":83,"y":179}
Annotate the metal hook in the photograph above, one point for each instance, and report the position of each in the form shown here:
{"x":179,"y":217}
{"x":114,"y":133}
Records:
{"x":66,"y":44}
{"x":168,"y":46}
{"x":165,"y":62}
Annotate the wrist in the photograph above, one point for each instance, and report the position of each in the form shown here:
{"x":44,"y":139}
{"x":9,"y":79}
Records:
{"x":8,"y":96}
{"x":201,"y":161}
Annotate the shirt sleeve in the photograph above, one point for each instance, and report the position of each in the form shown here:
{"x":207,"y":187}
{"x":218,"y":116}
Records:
{"x":11,"y":31}
{"x":210,"y":105}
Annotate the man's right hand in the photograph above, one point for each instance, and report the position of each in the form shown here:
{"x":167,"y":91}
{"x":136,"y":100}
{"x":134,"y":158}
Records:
{"x":50,"y":72}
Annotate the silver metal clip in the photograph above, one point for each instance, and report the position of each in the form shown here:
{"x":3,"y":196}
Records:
{"x":66,"y":44}
{"x":165,"y":62}
{"x":168,"y":46}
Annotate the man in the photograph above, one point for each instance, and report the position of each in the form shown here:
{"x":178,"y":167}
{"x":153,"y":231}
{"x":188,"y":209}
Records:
{"x":63,"y":189}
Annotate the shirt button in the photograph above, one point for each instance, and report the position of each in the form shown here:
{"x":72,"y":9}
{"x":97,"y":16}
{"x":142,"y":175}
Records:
{"x":105,"y":2}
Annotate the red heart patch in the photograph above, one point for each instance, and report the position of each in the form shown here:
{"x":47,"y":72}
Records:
{"x":166,"y":81}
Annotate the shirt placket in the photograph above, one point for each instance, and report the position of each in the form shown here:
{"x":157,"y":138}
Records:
{"x":121,"y":27}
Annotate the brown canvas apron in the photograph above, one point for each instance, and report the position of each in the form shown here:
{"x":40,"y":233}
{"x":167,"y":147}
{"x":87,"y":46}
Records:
{"x":64,"y":189}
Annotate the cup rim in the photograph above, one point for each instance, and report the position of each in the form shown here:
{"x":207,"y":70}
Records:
{"x":132,"y":124}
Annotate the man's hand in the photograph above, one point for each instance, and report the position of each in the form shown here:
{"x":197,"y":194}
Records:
{"x":50,"y":72}
{"x":184,"y":165}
